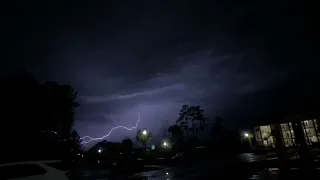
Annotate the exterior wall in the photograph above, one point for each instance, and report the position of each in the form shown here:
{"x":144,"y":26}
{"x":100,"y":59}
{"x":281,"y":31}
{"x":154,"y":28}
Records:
{"x":310,"y":128}
{"x":257,"y":136}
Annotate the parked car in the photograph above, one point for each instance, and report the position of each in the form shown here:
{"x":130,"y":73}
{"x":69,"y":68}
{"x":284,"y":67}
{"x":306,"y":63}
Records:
{"x":32,"y":170}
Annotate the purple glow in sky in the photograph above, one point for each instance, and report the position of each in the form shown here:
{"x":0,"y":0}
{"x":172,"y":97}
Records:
{"x":236,"y":60}
{"x":87,"y":139}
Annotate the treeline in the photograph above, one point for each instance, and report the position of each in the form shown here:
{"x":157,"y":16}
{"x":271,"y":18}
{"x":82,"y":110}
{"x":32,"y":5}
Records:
{"x":37,"y":119}
{"x":186,"y":133}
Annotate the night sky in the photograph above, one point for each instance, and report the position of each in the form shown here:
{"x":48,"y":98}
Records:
{"x":242,"y":61}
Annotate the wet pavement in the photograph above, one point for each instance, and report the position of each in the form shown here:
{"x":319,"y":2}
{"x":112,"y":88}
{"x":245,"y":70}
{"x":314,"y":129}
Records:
{"x":246,"y":166}
{"x":253,"y":157}
{"x":264,"y":174}
{"x":188,"y":174}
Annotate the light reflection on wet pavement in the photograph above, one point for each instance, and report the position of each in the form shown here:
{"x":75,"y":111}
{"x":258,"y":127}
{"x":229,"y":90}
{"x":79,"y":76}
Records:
{"x":188,"y":174}
{"x":265,"y":174}
{"x":208,"y":169}
{"x":253,"y":157}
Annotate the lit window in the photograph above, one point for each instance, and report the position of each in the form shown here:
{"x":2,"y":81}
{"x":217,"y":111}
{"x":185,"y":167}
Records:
{"x":308,"y":131}
{"x":265,"y":142}
{"x":314,"y":139}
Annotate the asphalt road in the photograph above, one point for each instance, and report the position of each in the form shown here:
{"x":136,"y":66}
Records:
{"x":246,"y":166}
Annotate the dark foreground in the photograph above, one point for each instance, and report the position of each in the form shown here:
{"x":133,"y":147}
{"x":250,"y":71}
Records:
{"x":243,"y":166}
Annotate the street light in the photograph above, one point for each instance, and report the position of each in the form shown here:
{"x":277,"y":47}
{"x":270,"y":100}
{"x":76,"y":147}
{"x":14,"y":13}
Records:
{"x":99,"y":150}
{"x":165,"y":144}
{"x":246,"y":135}
{"x":144,"y":132}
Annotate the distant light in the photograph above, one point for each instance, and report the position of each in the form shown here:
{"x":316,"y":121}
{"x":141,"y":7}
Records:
{"x":99,"y":150}
{"x":200,"y":147}
{"x":98,"y":161}
{"x":82,"y":155}
{"x":144,"y":132}
{"x":78,"y":154}
{"x":246,"y":134}
{"x":167,"y":173}
{"x":120,"y":153}
{"x":165,"y":144}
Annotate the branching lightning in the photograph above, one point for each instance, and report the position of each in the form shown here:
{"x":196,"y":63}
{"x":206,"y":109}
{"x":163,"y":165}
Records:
{"x":100,"y":138}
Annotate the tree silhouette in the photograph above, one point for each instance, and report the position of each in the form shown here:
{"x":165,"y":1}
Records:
{"x":127,"y":146}
{"x":217,"y":127}
{"x":194,"y":114}
{"x":184,"y":118}
{"x":57,"y":103}
{"x":73,"y":142}
{"x":176,"y":135}
{"x":71,"y":146}
{"x":218,"y":132}
{"x":143,"y":138}
{"x":41,"y":114}
{"x":197,"y":117}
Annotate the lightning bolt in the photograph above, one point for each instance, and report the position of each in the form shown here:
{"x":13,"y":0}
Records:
{"x":117,"y":127}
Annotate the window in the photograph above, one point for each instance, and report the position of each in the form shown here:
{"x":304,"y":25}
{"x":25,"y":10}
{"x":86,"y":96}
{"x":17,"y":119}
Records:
{"x":265,"y":129}
{"x":308,"y":132}
{"x":265,"y":143}
{"x":288,"y":134}
{"x":21,"y":170}
{"x":315,"y":123}
{"x":314,"y":139}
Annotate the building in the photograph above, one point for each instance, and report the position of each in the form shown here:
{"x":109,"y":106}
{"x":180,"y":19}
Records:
{"x":264,"y":135}
{"x":311,"y":131}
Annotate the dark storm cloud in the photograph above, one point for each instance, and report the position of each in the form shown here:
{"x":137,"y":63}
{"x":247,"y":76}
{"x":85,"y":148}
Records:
{"x":211,"y":81}
{"x":152,"y":57}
